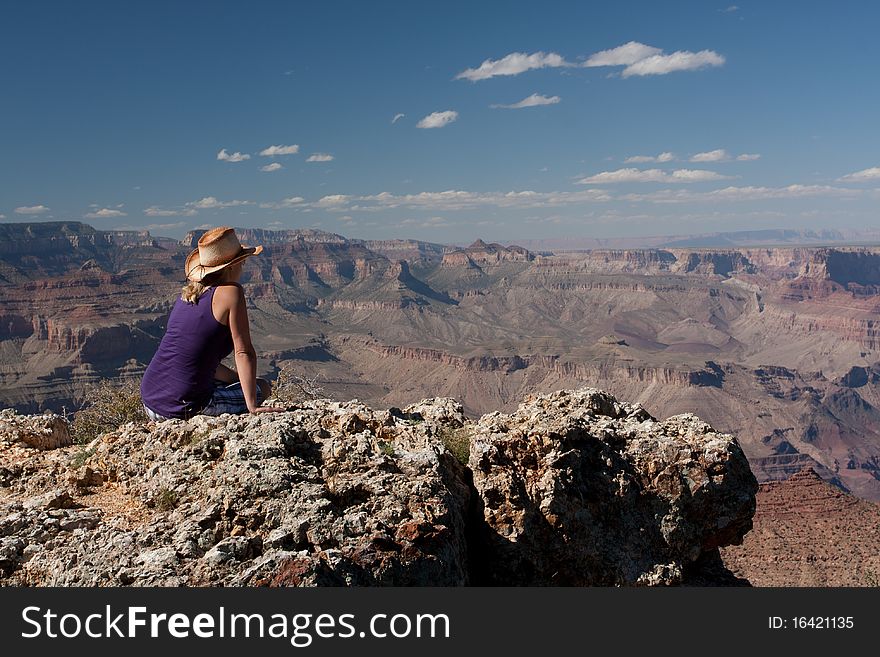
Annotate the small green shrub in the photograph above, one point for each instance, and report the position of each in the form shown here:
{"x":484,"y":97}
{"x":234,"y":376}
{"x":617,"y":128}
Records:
{"x":82,"y":455}
{"x":457,"y":441}
{"x":106,"y":407}
{"x":167,"y":499}
{"x":386,"y":448}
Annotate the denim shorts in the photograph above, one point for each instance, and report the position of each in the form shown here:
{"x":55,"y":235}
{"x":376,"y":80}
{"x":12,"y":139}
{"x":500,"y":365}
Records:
{"x":227,"y":398}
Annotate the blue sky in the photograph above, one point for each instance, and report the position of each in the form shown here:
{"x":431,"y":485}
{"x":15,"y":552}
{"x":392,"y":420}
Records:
{"x":514,"y":120}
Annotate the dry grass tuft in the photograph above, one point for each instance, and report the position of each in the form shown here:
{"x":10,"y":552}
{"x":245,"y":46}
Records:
{"x":292,"y":388}
{"x":106,"y":407}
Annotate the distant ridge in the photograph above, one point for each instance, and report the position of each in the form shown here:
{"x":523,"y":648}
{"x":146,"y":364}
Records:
{"x":742,"y":238}
{"x":32,"y":230}
{"x":268,"y":237}
{"x":19,"y":240}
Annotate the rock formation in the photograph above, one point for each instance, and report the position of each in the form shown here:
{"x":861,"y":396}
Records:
{"x":47,"y":431}
{"x":809,"y":533}
{"x":579,"y":489}
{"x":573,"y":488}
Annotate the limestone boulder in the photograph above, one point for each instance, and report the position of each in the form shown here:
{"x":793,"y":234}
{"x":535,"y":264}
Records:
{"x":576,"y":488}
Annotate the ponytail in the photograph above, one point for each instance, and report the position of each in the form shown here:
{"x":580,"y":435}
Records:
{"x":194,"y":289}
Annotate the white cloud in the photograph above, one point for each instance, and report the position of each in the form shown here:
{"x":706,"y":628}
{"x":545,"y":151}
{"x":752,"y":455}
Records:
{"x":721,"y":155}
{"x":625,"y":55}
{"x":105,"y":213}
{"x":271,"y":167}
{"x":154,"y":211}
{"x":454,"y":200}
{"x":642,"y":159}
{"x":438,"y":119}
{"x":696,"y":175}
{"x":271,"y":151}
{"x":718,"y":155}
{"x":534,"y":100}
{"x":624,"y":176}
{"x":651,"y":175}
{"x":729,"y":10}
{"x":319,"y":157}
{"x":640,"y":59}
{"x":289,"y":202}
{"x":397,"y":117}
{"x":2,"y":216}
{"x":31,"y":209}
{"x":748,"y":193}
{"x":211,"y":203}
{"x":864,"y":175}
{"x":234,"y":157}
{"x":512,"y":64}
{"x":682,"y":60}
{"x":332,"y":201}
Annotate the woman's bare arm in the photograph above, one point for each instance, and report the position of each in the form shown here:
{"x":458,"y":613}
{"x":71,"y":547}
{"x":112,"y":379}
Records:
{"x":245,"y":354}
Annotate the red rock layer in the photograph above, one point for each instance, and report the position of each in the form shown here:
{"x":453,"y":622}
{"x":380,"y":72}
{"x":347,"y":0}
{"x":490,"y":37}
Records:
{"x":809,"y":533}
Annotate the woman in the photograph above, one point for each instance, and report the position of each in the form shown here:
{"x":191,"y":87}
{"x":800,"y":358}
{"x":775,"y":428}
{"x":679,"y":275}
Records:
{"x":186,"y":377}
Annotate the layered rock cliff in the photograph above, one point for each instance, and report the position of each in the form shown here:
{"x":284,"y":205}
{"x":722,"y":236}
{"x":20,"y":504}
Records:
{"x":480,"y":254}
{"x":573,"y":488}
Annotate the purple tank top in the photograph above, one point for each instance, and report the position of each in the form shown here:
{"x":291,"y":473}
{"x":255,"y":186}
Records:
{"x":179,"y":381}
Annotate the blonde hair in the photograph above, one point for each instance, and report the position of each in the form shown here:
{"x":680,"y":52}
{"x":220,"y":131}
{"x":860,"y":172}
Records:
{"x":194,"y":289}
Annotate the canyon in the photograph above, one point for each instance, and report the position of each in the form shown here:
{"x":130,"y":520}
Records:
{"x":776,"y":345}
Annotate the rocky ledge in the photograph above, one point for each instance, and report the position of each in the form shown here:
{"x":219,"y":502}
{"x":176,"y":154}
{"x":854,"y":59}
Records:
{"x":574,"y":488}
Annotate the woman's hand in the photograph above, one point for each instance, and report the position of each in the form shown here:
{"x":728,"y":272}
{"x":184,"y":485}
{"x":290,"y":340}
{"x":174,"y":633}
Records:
{"x":268,"y":409}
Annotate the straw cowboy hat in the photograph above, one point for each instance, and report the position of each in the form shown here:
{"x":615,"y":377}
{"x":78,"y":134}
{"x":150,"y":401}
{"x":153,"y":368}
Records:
{"x":218,"y":248}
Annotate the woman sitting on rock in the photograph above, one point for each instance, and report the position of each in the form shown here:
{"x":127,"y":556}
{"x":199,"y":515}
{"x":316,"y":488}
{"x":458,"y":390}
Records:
{"x":186,"y":377}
